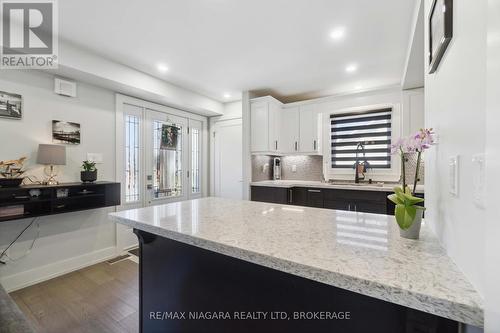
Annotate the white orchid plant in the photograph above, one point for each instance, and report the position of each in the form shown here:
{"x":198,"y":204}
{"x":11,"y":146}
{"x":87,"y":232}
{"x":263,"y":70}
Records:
{"x":404,"y":198}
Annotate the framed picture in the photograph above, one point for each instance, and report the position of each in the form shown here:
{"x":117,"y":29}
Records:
{"x":65,"y":132}
{"x":169,"y":136}
{"x":440,"y":31}
{"x":10,"y":105}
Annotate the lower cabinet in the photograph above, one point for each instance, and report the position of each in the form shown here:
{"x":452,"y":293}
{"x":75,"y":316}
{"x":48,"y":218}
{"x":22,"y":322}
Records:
{"x":298,"y":196}
{"x":277,"y":195}
{"x":302,"y":196}
{"x":351,"y":200}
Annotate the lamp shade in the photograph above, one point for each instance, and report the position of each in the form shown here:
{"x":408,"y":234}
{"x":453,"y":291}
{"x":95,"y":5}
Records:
{"x":51,"y":154}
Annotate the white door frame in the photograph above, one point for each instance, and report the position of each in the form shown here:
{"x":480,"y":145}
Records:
{"x":120,"y":101}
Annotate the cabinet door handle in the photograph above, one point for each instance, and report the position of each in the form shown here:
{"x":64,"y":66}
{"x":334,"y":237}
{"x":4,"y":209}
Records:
{"x":291,"y":196}
{"x":276,"y":144}
{"x":314,"y":144}
{"x":355,"y":208}
{"x":349,"y":208}
{"x":295,"y":145}
{"x":314,"y":191}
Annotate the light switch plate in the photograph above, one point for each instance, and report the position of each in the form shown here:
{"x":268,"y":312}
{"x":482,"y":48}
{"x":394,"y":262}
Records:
{"x":478,"y":179}
{"x":453,"y":175}
{"x":95,"y":157}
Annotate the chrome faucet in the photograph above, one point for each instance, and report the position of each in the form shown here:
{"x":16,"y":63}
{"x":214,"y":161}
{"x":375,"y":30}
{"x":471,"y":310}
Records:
{"x":364,"y":165}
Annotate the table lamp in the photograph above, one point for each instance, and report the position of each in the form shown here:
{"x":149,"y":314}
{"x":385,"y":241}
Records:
{"x":51,"y":155}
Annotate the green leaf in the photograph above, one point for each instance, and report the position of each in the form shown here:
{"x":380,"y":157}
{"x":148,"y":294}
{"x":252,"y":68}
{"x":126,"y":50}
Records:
{"x":412,"y":200}
{"x":394,"y":198}
{"x":398,"y":190}
{"x":405,"y":215}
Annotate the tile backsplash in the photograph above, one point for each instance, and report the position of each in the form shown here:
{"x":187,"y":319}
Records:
{"x":310,"y":168}
{"x":306,"y":167}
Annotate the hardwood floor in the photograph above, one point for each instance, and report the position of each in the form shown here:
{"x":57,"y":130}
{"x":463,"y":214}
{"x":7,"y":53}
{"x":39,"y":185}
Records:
{"x":99,"y":298}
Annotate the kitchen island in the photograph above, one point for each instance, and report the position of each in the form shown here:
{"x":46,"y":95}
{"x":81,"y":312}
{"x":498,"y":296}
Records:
{"x":219,"y":265}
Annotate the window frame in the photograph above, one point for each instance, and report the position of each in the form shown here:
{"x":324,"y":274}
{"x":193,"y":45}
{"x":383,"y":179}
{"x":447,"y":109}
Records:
{"x":390,"y":174}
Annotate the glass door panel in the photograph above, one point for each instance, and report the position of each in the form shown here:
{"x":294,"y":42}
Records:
{"x":195,"y":142}
{"x":166,"y":157}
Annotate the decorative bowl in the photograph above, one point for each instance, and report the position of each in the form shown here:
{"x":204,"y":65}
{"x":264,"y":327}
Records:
{"x":10,"y":182}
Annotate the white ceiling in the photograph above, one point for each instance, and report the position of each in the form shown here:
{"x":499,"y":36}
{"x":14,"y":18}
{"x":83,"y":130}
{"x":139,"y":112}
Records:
{"x":218,"y":46}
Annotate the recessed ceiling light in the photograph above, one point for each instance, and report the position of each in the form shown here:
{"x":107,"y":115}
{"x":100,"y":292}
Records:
{"x":162,"y":68}
{"x":227,"y":95}
{"x":358,"y":87}
{"x":351,"y":68}
{"x":337,"y":33}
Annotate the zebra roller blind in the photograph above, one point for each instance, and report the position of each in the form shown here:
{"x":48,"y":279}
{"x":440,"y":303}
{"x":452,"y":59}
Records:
{"x":371,"y":128}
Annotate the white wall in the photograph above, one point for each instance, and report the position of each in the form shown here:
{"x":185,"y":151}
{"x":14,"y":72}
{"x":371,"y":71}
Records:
{"x":455,"y":108}
{"x":492,"y":253}
{"x":68,"y":240}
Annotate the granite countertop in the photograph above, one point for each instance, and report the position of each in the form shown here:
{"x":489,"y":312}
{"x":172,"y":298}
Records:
{"x":382,"y":187}
{"x":359,"y":252}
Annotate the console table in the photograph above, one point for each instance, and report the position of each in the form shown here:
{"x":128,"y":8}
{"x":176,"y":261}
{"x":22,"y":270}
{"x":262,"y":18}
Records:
{"x":21,"y":202}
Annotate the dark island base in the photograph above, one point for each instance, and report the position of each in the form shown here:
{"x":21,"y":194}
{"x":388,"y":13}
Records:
{"x":178,"y":281}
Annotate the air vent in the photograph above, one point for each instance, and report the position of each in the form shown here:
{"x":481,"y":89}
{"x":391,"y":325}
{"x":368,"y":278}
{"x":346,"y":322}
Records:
{"x":65,"y":87}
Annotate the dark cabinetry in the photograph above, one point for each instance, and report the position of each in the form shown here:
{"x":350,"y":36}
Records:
{"x":270,"y":194}
{"x":315,"y":197}
{"x":356,"y":201}
{"x":38,"y":200}
{"x":351,"y":200}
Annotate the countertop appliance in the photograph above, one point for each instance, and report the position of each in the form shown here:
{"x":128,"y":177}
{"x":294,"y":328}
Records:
{"x":277,"y":168}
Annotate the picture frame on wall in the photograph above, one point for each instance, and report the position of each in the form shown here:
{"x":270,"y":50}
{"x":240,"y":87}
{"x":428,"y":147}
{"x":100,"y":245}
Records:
{"x":440,"y":31}
{"x":65,"y":132}
{"x":10,"y":105}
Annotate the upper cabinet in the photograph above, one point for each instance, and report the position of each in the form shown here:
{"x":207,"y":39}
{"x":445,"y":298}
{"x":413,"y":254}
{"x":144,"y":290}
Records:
{"x":309,"y":125}
{"x":265,"y":125}
{"x":289,"y":130}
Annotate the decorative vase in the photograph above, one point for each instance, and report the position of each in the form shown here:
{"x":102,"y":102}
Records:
{"x":88,"y":176}
{"x":413,"y":232}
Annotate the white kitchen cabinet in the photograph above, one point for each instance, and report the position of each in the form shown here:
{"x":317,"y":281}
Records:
{"x":289,"y":135}
{"x":259,"y":122}
{"x":309,"y":129}
{"x":265,"y":123}
{"x":274,"y":125}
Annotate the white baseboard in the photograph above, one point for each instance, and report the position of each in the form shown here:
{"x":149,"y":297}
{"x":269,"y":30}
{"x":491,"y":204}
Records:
{"x":50,"y":271}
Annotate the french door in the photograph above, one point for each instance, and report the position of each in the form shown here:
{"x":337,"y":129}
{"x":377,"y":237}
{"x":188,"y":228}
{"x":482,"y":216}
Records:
{"x":166,"y":173}
{"x":172,"y":172}
{"x":160,"y":158}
